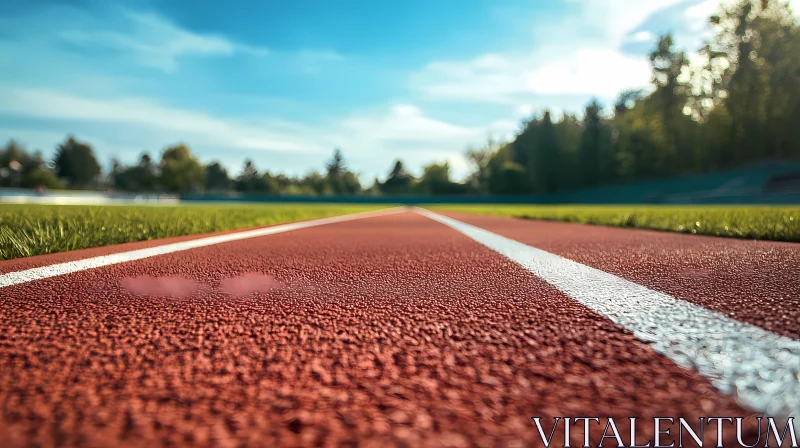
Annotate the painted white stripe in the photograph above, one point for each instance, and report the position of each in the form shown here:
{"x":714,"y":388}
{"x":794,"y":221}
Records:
{"x":28,"y":275}
{"x":761,"y":368}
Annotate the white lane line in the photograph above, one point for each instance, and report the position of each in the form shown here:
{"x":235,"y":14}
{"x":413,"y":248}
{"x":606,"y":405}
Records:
{"x":760,"y":368}
{"x":28,"y":275}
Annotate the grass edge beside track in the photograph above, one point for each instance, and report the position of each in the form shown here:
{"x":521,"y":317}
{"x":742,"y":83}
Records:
{"x":36,"y":229}
{"x":774,"y":223}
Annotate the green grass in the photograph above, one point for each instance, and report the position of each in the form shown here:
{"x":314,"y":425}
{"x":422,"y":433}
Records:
{"x":27,"y":230}
{"x":753,"y":222}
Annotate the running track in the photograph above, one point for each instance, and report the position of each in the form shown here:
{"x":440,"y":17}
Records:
{"x":403,"y":329}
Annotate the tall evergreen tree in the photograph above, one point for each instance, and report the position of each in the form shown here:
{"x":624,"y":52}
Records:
{"x":339,"y":178}
{"x":594,"y":142}
{"x":549,"y":166}
{"x":398,"y":182}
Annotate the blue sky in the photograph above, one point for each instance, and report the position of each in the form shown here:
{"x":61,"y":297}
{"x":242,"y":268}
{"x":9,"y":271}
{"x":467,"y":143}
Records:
{"x":284,"y":83}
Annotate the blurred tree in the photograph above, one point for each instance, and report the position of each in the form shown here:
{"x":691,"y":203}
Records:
{"x":627,"y":100}
{"x":568,"y":133}
{"x":398,"y":182}
{"x":181,"y":172}
{"x":435,"y":180}
{"x":217,"y":178}
{"x":669,"y":101}
{"x":538,"y":151}
{"x":249,"y":180}
{"x":18,"y":168}
{"x":524,"y":152}
{"x":596,"y":163}
{"x":506,"y":177}
{"x":336,"y":165}
{"x":548,"y":166}
{"x":285,"y":183}
{"x":40,"y":177}
{"x":316,"y":183}
{"x":75,"y":162}
{"x":479,"y":158}
{"x":147,"y":174}
{"x":17,"y":158}
{"x":143,"y":177}
{"x":267,"y":183}
{"x":339,"y":178}
{"x":750,"y":97}
{"x":13,"y":151}
{"x":114,"y":176}
{"x":374,"y":189}
{"x":638,"y":145}
{"x":668,"y":65}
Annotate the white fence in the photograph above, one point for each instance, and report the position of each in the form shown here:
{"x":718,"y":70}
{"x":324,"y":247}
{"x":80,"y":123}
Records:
{"x":18,"y":196}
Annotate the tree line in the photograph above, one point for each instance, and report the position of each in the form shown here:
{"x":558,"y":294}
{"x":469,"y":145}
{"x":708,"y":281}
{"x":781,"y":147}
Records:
{"x":178,"y":171}
{"x":739,"y":105}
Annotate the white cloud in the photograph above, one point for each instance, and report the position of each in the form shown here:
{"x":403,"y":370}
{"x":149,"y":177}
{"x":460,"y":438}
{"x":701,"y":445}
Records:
{"x":156,"y":42}
{"x":591,"y":71}
{"x":700,"y":12}
{"x":579,"y":55}
{"x":404,"y":123}
{"x":641,"y":36}
{"x":598,"y":71}
{"x":473,"y":80}
{"x":525,"y":110}
{"x":610,"y":21}
{"x":404,"y":131}
{"x":406,"y":127}
{"x":459,"y":166}
{"x":184,"y":124}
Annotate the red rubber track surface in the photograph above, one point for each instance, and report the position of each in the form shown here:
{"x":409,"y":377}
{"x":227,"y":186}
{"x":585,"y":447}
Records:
{"x":392,"y":329}
{"x":757,"y":282}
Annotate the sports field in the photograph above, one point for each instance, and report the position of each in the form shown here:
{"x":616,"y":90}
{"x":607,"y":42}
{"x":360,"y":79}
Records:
{"x":389,"y":327}
{"x":27,"y":230}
